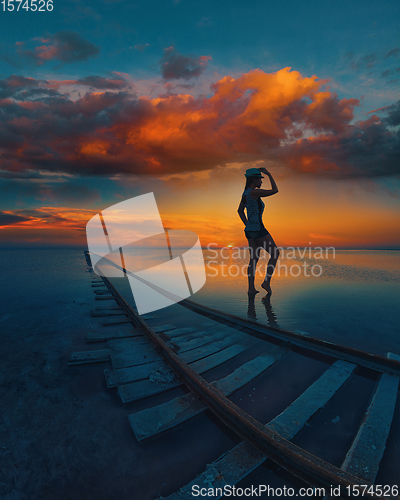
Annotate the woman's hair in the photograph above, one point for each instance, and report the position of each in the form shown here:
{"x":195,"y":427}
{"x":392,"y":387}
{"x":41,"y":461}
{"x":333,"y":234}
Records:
{"x":249,"y":181}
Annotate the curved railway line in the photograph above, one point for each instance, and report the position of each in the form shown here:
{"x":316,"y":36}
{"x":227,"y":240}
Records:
{"x":150,"y":360}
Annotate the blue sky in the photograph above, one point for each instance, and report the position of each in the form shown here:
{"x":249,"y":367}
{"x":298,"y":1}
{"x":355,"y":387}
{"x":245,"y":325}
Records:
{"x":344,"y":41}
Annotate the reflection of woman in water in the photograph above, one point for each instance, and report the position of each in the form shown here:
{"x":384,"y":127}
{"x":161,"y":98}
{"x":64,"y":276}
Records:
{"x":255,"y":231}
{"x":251,"y":309}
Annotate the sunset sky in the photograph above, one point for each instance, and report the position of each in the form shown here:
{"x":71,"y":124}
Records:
{"x":104,"y":100}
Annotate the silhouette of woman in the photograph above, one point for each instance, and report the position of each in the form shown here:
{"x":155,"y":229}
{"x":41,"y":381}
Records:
{"x":255,"y":231}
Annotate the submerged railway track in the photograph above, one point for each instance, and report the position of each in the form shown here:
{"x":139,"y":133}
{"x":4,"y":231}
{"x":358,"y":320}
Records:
{"x":149,"y":360}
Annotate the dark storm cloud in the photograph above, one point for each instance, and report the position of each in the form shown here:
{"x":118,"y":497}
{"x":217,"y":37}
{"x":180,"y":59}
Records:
{"x":97,"y":82}
{"x":52,"y":189}
{"x":47,"y":218}
{"x":21,"y":88}
{"x":105,"y":133}
{"x":369,"y":61}
{"x":358,"y":63}
{"x":28,"y":174}
{"x":393,"y":112}
{"x":175,"y":65}
{"x":390,"y":72}
{"x":63,"y":46}
{"x":7,"y":219}
{"x":366,"y":149}
{"x":70,"y":193}
{"x":393,"y":53}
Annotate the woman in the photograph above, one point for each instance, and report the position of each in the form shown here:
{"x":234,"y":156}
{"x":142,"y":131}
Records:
{"x":255,"y":231}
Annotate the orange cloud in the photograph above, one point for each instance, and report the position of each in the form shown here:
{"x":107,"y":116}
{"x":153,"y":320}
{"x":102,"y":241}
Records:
{"x":245,"y":116}
{"x":48,"y":217}
{"x":45,"y":226}
{"x":257,"y":116}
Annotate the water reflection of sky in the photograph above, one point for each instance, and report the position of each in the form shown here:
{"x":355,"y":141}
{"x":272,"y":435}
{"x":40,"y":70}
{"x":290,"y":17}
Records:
{"x":355,"y":301}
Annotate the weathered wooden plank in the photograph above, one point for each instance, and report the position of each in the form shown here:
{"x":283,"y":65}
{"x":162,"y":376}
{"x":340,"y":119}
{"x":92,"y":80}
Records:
{"x":117,"y":322}
{"x":148,"y":316}
{"x":104,"y":298}
{"x":155,"y":420}
{"x":221,"y":472}
{"x":163,"y":328}
{"x":139,"y":390}
{"x":138,"y":349}
{"x":209,"y":322}
{"x":202,"y":352}
{"x":101,"y":336}
{"x":365,"y":455}
{"x":124,"y":360}
{"x":202,"y":341}
{"x":133,"y":373}
{"x":201,"y":366}
{"x":214,"y":360}
{"x":249,"y":371}
{"x":128,"y":343}
{"x":104,"y":308}
{"x":100,"y":314}
{"x":180,"y":331}
{"x":362,"y":358}
{"x":197,"y":334}
{"x":237,"y":463}
{"x":184,"y":337}
{"x":295,"y":416}
{"x":133,"y":359}
{"x":79,"y":358}
{"x":144,"y":389}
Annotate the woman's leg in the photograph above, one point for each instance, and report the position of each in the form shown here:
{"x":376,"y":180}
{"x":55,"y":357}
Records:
{"x":251,"y":270}
{"x":269,"y":245}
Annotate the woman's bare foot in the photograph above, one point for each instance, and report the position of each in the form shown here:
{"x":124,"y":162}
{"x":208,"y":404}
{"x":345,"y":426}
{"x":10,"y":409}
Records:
{"x":253,"y":292}
{"x":267,"y":287}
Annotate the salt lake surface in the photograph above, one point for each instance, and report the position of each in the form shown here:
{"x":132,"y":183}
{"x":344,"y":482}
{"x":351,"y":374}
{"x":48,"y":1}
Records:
{"x":54,"y":445}
{"x":353,"y":298}
{"x":350,"y":297}
{"x":355,"y":301}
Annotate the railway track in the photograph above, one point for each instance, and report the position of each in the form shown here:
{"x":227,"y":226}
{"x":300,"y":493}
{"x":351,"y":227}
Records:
{"x":150,"y":360}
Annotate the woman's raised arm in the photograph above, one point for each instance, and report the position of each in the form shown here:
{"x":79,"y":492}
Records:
{"x":265,"y":192}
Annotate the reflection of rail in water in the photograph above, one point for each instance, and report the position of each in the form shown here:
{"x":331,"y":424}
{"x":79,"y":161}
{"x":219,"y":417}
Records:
{"x":142,"y":359}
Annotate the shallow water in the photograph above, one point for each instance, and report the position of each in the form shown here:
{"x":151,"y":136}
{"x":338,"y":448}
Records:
{"x":64,"y":433}
{"x":350,"y":297}
{"x":355,"y":301}
{"x":64,"y":427}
